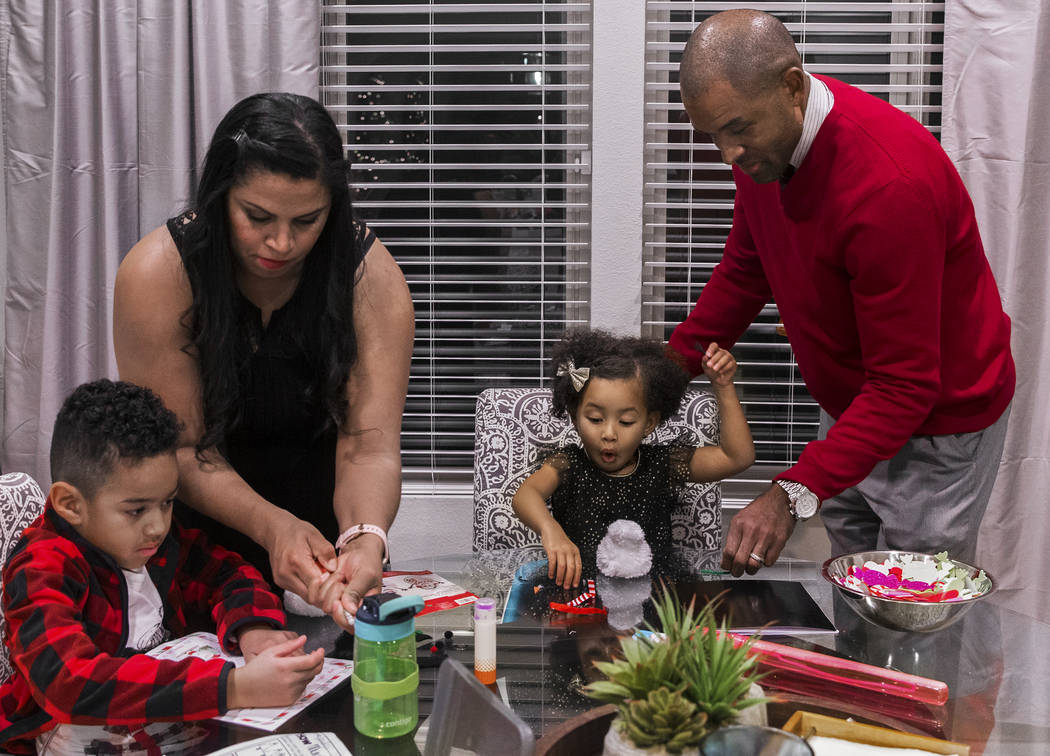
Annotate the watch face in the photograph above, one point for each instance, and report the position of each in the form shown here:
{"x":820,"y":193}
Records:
{"x":806,"y":505}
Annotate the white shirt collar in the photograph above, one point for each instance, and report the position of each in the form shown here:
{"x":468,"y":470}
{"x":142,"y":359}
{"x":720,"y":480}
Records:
{"x":818,"y":106}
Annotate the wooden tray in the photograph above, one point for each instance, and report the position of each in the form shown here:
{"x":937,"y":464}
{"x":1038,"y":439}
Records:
{"x":806,"y":723}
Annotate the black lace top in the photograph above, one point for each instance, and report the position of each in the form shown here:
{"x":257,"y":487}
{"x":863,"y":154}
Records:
{"x":588,"y":500}
{"x":281,"y":440}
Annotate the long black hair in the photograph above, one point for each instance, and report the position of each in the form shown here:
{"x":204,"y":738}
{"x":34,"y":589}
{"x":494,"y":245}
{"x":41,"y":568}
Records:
{"x":293,"y":136}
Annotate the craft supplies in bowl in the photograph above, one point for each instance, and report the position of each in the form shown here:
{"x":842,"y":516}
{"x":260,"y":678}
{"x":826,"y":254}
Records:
{"x":906,"y":590}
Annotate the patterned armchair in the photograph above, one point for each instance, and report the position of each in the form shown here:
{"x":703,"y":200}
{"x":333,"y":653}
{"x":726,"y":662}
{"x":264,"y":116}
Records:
{"x":512,"y":428}
{"x":21,"y":502}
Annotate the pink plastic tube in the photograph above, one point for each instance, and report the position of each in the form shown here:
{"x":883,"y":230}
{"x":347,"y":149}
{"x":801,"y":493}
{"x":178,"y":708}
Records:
{"x":848,"y":672}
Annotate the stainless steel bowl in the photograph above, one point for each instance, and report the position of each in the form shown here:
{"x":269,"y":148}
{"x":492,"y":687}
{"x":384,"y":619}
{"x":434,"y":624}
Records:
{"x":735,"y":740}
{"x":896,"y":614}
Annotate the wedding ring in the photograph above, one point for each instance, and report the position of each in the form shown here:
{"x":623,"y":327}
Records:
{"x":758,"y":559}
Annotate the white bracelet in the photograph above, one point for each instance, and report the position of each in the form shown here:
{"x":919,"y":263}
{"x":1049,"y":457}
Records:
{"x":355,"y":530}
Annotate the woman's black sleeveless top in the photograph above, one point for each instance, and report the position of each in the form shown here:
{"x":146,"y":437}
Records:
{"x":283,"y":443}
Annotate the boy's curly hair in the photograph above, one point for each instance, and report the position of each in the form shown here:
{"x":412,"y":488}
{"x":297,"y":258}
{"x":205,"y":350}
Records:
{"x":104,"y":422}
{"x":617,"y":357}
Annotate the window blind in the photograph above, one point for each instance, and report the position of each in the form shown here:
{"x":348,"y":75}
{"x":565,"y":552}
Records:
{"x":890,"y":49}
{"x":468,"y":127}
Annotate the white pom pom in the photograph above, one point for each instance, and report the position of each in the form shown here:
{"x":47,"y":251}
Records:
{"x":623,"y":552}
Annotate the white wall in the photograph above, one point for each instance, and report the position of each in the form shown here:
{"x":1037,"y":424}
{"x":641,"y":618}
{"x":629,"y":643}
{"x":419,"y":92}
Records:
{"x":432,"y":525}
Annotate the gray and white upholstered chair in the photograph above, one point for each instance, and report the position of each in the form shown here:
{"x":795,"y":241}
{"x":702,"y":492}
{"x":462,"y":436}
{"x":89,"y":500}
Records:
{"x":21,"y":502}
{"x":513,"y":427}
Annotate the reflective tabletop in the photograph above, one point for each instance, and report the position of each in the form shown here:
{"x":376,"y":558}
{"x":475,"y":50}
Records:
{"x":994,"y":660}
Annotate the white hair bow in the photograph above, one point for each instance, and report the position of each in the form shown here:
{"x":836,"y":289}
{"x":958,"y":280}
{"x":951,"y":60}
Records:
{"x":578,"y":376}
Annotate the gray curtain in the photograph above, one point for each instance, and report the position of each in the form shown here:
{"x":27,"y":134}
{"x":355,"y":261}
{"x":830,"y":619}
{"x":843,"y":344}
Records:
{"x":996,"y":120}
{"x":107,"y":108}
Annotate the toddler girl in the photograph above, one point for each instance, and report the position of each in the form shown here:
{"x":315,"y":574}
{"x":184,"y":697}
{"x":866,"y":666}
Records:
{"x":616,"y":391}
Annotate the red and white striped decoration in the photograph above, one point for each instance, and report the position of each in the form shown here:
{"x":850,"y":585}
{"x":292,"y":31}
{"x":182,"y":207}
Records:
{"x":586,"y":596}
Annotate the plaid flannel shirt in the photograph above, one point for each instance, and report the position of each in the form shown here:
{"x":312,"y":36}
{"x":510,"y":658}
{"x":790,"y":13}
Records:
{"x":66,"y":602}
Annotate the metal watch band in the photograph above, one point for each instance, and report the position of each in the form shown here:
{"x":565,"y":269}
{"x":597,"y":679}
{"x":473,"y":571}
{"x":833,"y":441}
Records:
{"x":795,"y":492}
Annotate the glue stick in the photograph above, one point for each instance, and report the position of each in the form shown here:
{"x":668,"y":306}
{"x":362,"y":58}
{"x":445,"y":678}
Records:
{"x":485,"y":640}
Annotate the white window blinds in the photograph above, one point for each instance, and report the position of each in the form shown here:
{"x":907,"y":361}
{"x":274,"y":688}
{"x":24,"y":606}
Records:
{"x":891,"y":49}
{"x":468,"y":126}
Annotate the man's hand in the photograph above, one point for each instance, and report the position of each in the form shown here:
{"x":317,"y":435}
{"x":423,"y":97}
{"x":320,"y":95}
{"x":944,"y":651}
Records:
{"x":299,"y":555}
{"x":254,"y":639}
{"x":761,"y":528}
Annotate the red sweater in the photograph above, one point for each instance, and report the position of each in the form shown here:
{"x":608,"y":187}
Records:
{"x":873,"y":257}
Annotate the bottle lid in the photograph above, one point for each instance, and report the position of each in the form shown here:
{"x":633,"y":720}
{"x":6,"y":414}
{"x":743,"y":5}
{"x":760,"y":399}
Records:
{"x":398,"y":609}
{"x":485,"y":608}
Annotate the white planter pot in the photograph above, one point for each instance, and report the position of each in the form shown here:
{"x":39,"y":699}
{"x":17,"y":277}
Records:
{"x":754,"y":715}
{"x":616,"y":744}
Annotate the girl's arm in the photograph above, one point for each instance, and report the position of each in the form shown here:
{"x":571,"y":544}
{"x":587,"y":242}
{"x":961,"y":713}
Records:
{"x":530,"y":504}
{"x":736,"y":452}
{"x":368,"y":451}
{"x":152,"y":344}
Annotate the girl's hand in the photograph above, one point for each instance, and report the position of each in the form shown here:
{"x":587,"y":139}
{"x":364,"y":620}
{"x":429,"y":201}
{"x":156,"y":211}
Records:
{"x":563,"y":558}
{"x":719,"y":365}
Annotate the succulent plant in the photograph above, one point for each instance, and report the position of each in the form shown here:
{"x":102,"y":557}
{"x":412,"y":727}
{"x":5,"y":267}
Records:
{"x":664,"y":717}
{"x":695,"y":662}
{"x":717,"y":673}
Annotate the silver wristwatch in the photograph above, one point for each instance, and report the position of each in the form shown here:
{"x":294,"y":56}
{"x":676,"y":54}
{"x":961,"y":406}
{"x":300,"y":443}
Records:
{"x":802,"y":503}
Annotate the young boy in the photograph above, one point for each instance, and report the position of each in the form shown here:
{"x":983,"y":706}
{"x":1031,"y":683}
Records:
{"x":103,"y":574}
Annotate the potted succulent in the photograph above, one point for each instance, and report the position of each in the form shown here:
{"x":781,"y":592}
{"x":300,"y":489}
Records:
{"x":670,"y":691}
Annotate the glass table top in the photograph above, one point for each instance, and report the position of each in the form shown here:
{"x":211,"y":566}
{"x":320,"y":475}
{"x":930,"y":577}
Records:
{"x":994,"y":660}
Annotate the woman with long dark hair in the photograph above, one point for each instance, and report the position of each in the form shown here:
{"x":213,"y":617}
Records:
{"x":279,"y":329}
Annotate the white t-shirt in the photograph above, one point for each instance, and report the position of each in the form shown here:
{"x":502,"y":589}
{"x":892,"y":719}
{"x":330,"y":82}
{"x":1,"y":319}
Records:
{"x":145,"y":611}
{"x":145,"y":618}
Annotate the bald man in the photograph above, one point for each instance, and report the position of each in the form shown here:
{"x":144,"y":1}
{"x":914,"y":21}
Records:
{"x":849,"y":215}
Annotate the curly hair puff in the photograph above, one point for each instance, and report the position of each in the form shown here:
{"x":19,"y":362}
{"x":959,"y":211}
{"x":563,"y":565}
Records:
{"x":617,"y":357}
{"x":104,"y":422}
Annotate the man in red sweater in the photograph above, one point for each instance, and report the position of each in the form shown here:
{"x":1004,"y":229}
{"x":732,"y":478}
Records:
{"x":850,"y":216}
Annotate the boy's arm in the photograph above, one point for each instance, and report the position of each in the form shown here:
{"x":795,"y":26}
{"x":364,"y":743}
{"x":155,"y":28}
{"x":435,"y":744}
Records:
{"x":218,"y":581}
{"x":69,"y":675}
{"x":736,"y":449}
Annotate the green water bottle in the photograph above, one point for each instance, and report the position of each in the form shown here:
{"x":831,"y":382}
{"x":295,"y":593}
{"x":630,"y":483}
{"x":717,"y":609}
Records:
{"x":386,"y":675}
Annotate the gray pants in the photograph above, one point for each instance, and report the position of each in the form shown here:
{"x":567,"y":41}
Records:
{"x":930,"y":497}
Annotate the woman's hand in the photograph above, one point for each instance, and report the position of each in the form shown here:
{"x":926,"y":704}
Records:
{"x":359,"y":573}
{"x":300,"y":556}
{"x":563,"y":558}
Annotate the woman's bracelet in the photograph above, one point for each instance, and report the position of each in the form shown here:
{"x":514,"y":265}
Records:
{"x":354,"y":531}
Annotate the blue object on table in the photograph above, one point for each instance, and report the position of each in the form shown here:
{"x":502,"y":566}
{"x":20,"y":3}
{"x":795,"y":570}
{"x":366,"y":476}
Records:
{"x":524,"y":578}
